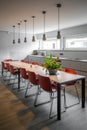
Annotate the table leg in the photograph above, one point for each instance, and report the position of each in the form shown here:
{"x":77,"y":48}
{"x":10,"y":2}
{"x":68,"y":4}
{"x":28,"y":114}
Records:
{"x":83,"y":93}
{"x":59,"y":102}
{"x":19,"y":79}
{"x":2,"y":71}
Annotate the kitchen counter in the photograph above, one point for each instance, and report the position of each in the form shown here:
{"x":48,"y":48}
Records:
{"x":37,"y":55}
{"x":62,"y":58}
{"x":72,"y":59}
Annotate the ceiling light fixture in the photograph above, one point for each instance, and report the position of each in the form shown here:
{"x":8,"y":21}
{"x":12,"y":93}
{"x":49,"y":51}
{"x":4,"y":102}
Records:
{"x":19,"y":41}
{"x":58,"y":32}
{"x":13,"y":34}
{"x":33,"y":37}
{"x":25,"y":39}
{"x":44,"y":35}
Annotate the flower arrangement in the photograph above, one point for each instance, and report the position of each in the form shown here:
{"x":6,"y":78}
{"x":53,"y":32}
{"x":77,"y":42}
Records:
{"x":52,"y":64}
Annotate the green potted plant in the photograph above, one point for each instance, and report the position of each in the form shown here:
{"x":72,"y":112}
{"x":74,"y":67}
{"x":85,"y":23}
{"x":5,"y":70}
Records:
{"x":52,"y":65}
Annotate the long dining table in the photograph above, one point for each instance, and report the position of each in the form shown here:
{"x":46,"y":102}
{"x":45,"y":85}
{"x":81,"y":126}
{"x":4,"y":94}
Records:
{"x":61,"y":78}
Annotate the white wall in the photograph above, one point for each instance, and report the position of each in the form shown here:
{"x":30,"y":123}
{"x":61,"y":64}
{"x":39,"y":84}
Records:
{"x":20,"y":51}
{"x":73,"y":31}
{"x":15,"y":51}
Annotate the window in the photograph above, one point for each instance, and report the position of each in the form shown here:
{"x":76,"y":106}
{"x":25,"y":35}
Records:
{"x":49,"y":44}
{"x":79,"y":43}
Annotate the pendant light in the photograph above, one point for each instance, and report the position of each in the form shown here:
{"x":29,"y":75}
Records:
{"x":19,"y":41}
{"x":13,"y":34}
{"x":33,"y":37}
{"x":25,"y":39}
{"x":44,"y":35}
{"x":58,"y":32}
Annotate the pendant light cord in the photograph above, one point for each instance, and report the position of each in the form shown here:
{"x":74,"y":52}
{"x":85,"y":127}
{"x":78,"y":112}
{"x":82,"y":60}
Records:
{"x":25,"y":27}
{"x":33,"y":26}
{"x":19,"y":29}
{"x":58,"y":7}
{"x":44,"y":12}
{"x":14,"y":32}
{"x":58,"y":19}
{"x":44,"y":23}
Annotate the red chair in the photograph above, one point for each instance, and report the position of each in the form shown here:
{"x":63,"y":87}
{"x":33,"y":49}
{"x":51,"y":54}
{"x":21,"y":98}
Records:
{"x":8,"y":67}
{"x":4,"y":66}
{"x":8,"y":60}
{"x":24,"y":74}
{"x":8,"y":70}
{"x":49,"y":87}
{"x":25,"y":61}
{"x":35,"y":63}
{"x":13,"y":71}
{"x":33,"y":80}
{"x":72,"y":84}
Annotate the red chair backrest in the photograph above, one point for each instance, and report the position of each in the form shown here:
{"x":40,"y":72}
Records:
{"x":25,"y":61}
{"x":8,"y":66}
{"x":68,"y":70}
{"x":4,"y":65}
{"x":32,"y":78}
{"x":23,"y":73}
{"x":45,"y":83}
{"x":71,"y":71}
{"x":8,"y":60}
{"x":35,"y":63}
{"x":12,"y":69}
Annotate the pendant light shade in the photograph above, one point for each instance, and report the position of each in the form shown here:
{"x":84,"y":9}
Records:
{"x":33,"y":37}
{"x":13,"y":34}
{"x":44,"y":35}
{"x":19,"y":41}
{"x":58,"y":35}
{"x":58,"y":32}
{"x":25,"y":39}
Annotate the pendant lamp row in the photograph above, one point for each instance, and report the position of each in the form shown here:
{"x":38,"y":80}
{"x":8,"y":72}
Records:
{"x":44,"y":22}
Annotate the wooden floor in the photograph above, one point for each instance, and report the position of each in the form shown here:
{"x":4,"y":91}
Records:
{"x":18,"y":113}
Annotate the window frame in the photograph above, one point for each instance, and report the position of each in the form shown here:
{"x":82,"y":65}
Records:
{"x":73,"y":37}
{"x":50,"y":39}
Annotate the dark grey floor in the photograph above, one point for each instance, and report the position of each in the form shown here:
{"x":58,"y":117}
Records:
{"x":74,"y":118}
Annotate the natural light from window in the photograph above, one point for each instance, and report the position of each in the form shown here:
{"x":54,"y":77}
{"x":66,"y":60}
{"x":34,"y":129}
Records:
{"x":76,"y":43}
{"x":50,"y":44}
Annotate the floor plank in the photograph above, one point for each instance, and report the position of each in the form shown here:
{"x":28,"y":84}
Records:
{"x":19,"y":113}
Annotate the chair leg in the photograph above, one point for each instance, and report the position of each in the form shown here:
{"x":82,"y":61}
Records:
{"x":77,"y":94}
{"x":74,"y":103}
{"x":29,"y":85}
{"x":64,"y":99}
{"x":27,"y":89}
{"x":14,"y":79}
{"x":38,"y":93}
{"x":35,"y":103}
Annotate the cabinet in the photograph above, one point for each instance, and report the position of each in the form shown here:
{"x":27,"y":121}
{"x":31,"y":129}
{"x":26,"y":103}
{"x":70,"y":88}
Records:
{"x":79,"y":66}
{"x":71,"y":64}
{"x":37,"y":58}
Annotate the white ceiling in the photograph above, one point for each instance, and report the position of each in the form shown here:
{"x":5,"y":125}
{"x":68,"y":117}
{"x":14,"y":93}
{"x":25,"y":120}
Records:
{"x":72,"y":13}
